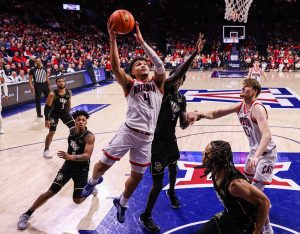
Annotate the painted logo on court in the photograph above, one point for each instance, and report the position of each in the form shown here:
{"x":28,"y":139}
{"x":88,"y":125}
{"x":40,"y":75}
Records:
{"x":272,"y":97}
{"x":89,"y":108}
{"x":193,"y":178}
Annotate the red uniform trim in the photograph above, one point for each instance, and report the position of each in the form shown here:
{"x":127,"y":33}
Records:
{"x":248,"y":174}
{"x":264,"y":182}
{"x":139,"y":164}
{"x":110,"y":157}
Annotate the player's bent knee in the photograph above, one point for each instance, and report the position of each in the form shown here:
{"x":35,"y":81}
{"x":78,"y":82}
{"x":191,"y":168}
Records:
{"x":258,"y":184}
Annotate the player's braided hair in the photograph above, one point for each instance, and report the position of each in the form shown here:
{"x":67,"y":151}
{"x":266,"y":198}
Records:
{"x":220,"y":157}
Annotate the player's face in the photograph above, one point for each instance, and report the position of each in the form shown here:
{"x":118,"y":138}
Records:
{"x":205,"y":153}
{"x":247,"y":92}
{"x":256,"y":64}
{"x":61,"y":84}
{"x":80,"y":122}
{"x":140,"y":69}
{"x":178,"y":83}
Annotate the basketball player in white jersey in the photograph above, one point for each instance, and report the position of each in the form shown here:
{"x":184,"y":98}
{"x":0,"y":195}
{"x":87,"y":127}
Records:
{"x":256,"y":72}
{"x":144,"y":97}
{"x":253,"y":117}
{"x":5,"y":97}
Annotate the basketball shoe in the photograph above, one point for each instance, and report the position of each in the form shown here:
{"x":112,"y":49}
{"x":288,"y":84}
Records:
{"x":23,"y":222}
{"x":148,"y":223}
{"x":88,"y":188}
{"x":175,"y":203}
{"x":47,"y":154}
{"x":120,"y":210}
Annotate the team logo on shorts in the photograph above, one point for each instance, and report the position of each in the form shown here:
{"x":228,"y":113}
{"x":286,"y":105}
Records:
{"x":59,"y":177}
{"x":158,"y":166}
{"x":52,"y":121}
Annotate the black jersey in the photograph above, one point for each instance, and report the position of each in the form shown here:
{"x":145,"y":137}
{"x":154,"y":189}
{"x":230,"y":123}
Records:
{"x":172,"y":106}
{"x":237,"y":209}
{"x":76,"y":144}
{"x":60,"y":102}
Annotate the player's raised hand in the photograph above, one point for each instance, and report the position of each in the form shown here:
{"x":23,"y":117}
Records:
{"x":200,"y":43}
{"x":138,"y":35}
{"x":110,"y":28}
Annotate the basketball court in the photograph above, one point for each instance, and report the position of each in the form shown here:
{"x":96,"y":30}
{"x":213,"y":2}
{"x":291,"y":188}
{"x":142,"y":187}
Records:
{"x":26,"y":174}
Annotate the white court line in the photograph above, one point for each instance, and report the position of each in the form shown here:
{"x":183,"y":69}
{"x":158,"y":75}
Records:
{"x":204,"y":221}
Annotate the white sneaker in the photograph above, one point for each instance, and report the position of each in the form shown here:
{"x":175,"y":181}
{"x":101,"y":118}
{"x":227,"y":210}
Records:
{"x":270,"y":231}
{"x":23,"y":222}
{"x":95,"y":192}
{"x":47,"y":154}
{"x":1,"y":131}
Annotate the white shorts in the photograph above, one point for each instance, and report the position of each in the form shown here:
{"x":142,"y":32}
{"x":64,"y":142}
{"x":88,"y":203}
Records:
{"x":264,"y":170}
{"x":126,"y":140}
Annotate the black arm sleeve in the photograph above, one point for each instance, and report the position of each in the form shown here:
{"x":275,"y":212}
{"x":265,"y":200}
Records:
{"x":181,"y":70}
{"x":47,"y":112}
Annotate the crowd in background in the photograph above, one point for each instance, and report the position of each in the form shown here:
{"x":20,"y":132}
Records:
{"x":64,"y":48}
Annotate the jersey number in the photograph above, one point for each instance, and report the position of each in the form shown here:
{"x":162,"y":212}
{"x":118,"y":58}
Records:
{"x":247,"y":131}
{"x":147,"y":98}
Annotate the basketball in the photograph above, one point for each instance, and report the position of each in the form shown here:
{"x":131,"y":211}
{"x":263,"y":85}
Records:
{"x":1,"y":80}
{"x":123,"y":21}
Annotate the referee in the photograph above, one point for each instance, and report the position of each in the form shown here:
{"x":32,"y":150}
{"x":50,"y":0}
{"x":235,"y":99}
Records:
{"x":41,"y":84}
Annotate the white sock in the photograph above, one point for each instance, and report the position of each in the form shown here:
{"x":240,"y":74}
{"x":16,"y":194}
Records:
{"x":93,"y":181}
{"x":267,"y":227}
{"x":123,"y":201}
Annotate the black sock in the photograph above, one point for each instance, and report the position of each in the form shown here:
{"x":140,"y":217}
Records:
{"x":147,"y":213}
{"x":29,"y":212}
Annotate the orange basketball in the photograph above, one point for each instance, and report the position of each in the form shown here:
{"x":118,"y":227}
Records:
{"x":1,"y":80}
{"x":123,"y":21}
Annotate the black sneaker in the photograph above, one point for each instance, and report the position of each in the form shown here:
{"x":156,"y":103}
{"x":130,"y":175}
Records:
{"x":175,"y":203}
{"x":40,"y":116}
{"x":148,"y":223}
{"x":120,"y":210}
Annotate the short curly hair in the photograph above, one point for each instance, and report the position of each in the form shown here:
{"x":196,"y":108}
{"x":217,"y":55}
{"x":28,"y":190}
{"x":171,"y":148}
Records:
{"x":80,"y":112}
{"x":254,"y":84}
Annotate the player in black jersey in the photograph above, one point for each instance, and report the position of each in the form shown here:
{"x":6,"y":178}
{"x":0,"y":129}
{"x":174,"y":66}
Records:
{"x":76,"y":166}
{"x":246,"y":207}
{"x":165,"y":152}
{"x":58,"y":106}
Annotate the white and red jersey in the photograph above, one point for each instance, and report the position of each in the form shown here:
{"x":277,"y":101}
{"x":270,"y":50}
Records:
{"x":144,"y":102}
{"x":255,"y":74}
{"x":251,"y":127}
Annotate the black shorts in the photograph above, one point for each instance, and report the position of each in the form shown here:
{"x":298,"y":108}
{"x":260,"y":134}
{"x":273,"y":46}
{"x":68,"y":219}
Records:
{"x":221,"y":223}
{"x":64,"y":116}
{"x":79,"y":174}
{"x":163,"y":153}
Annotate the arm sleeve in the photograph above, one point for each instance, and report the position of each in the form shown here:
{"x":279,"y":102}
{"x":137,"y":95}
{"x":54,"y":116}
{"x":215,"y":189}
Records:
{"x":158,"y":64}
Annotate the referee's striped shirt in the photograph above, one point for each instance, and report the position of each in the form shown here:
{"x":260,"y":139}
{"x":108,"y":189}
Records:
{"x":39,"y":75}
